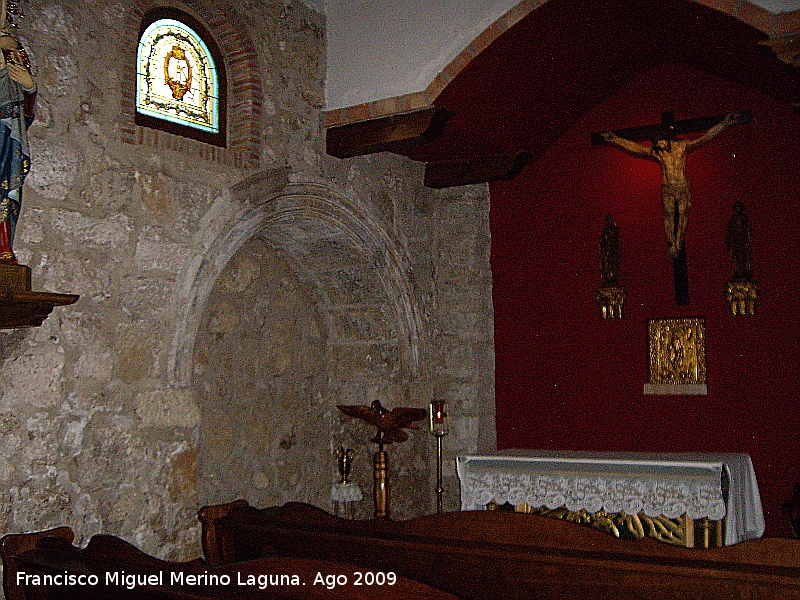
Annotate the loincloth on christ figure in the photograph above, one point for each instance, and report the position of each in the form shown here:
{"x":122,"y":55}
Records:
{"x":676,"y":194}
{"x":675,"y":198}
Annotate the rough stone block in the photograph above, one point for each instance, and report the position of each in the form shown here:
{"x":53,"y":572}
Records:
{"x":55,"y":168}
{"x":36,"y":377}
{"x":154,"y":253}
{"x":168,"y":408}
{"x":86,"y":230}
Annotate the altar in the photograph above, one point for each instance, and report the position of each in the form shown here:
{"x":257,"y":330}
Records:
{"x":688,"y":499}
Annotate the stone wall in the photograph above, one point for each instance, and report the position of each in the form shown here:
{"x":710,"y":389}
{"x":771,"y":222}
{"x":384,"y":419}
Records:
{"x":445,"y":235}
{"x":260,"y":373}
{"x":367,"y":287}
{"x":225,"y":309}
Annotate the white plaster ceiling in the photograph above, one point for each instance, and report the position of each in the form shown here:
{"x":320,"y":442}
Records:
{"x":386,"y":48}
{"x":778,"y":6}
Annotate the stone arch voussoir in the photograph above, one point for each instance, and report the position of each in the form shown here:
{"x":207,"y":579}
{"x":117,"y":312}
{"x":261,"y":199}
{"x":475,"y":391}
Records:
{"x":269,"y":200}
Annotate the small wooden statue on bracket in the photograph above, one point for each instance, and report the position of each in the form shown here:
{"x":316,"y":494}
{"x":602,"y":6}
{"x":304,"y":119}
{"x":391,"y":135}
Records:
{"x":611,"y":295}
{"x":742,"y":291}
{"x":390,"y":426}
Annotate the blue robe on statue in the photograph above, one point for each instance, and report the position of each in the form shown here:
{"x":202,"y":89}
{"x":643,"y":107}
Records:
{"x":16,"y":115}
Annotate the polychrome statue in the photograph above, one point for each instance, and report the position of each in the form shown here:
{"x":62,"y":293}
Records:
{"x":17,"y":100}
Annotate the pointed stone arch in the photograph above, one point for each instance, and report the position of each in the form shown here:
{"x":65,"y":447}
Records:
{"x":268,"y":202}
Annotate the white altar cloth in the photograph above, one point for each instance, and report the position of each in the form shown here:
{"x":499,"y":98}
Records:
{"x":669,"y":484}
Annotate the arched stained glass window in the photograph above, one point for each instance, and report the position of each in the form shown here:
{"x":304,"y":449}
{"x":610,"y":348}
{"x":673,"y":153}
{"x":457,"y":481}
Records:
{"x":180,"y":78}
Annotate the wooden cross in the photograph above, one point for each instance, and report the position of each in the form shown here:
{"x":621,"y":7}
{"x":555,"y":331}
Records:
{"x":670,"y":152}
{"x":669,"y":127}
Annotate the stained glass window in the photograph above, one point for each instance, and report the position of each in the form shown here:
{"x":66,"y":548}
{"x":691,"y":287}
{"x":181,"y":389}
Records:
{"x":178,"y":79}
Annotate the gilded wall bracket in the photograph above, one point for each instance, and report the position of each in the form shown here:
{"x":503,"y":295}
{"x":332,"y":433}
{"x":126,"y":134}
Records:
{"x":742,"y":297}
{"x":611,"y":301}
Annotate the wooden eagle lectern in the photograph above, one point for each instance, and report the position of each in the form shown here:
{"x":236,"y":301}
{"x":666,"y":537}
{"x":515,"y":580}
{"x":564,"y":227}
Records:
{"x":390,"y":426}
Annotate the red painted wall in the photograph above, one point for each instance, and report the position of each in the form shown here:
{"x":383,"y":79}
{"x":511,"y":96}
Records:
{"x":565,"y":379}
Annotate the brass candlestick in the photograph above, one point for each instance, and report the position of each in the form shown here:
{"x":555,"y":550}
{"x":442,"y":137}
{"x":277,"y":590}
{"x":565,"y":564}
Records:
{"x":344,"y":464}
{"x":437,"y":423}
{"x":345,"y":492}
{"x":390,"y":429}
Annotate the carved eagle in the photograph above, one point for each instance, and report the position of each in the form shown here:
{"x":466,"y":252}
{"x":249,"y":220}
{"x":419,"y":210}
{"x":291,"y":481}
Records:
{"x":390,"y":424}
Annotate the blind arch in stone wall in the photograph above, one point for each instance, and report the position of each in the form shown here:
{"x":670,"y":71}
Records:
{"x":267,"y":202}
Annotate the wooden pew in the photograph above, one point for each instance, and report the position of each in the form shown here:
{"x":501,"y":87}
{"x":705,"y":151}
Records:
{"x":28,"y":556}
{"x":503,"y":555}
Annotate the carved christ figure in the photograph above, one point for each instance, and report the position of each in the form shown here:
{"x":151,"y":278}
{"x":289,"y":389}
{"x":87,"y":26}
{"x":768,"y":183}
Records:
{"x":671,"y":152}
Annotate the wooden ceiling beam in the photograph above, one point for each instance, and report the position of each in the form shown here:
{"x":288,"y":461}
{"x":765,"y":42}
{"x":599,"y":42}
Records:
{"x":387,"y":134}
{"x":786,"y":48}
{"x":481,"y":169}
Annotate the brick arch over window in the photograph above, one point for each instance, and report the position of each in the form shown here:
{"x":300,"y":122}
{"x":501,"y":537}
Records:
{"x":245,"y":96}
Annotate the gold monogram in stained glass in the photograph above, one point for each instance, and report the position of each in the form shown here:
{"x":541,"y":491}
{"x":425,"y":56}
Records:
{"x":176,"y":76}
{"x":677,"y":351}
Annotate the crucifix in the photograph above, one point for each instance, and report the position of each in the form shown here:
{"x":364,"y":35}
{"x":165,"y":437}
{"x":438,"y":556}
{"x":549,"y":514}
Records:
{"x":670,"y":152}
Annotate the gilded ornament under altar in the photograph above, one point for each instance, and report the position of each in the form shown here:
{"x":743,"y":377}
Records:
{"x":681,"y":531}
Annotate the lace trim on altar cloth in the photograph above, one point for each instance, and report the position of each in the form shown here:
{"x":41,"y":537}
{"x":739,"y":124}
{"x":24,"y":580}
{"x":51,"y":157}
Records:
{"x":653,"y":497}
